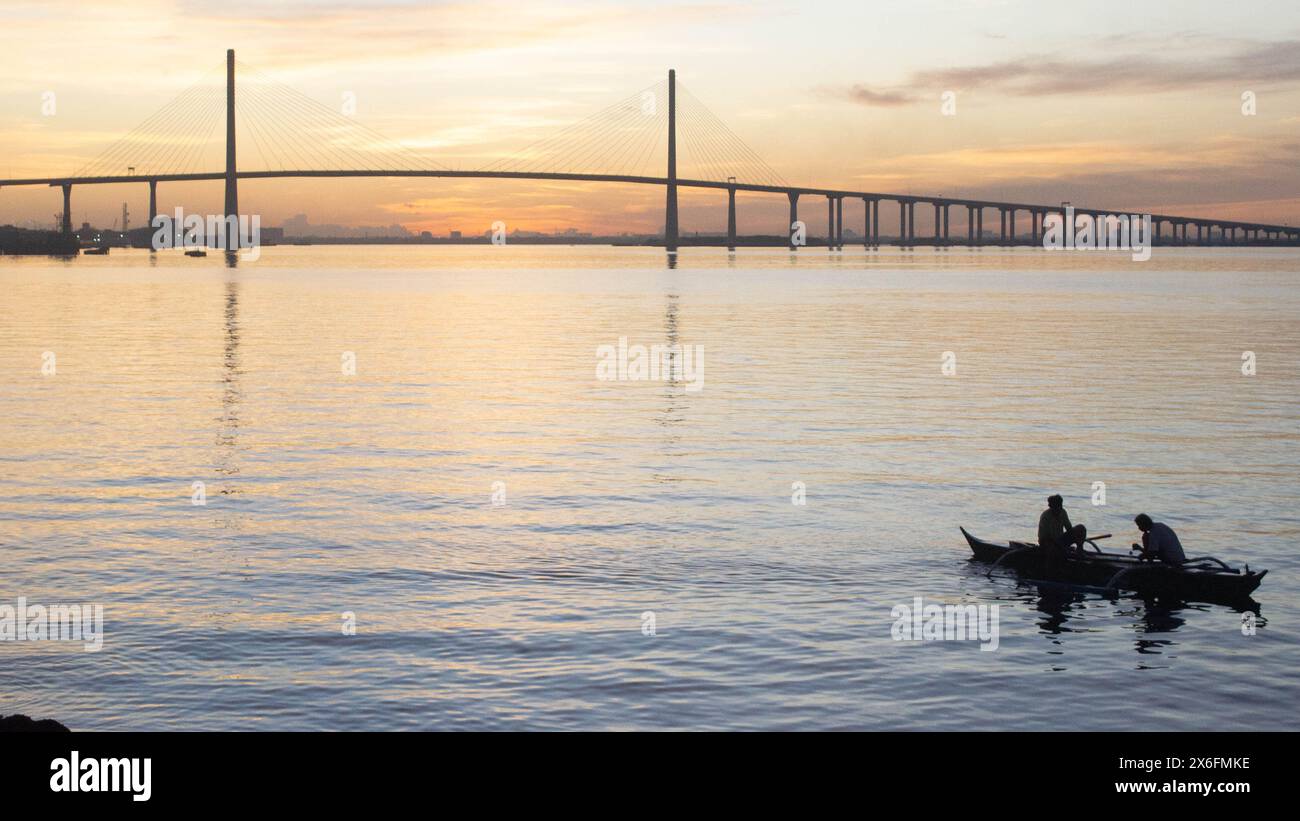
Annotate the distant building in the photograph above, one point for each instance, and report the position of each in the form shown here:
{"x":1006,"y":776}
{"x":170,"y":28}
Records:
{"x":299,"y":226}
{"x":452,"y":235}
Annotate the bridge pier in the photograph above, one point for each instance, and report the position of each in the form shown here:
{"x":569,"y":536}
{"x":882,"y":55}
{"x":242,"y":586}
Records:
{"x":67,"y":210}
{"x":902,"y":222}
{"x":794,"y":217}
{"x":866,"y":223}
{"x":938,"y":222}
{"x":946,"y":235}
{"x":839,"y":223}
{"x":830,"y":223}
{"x":153,"y":203}
{"x":979,"y":225}
{"x":970,"y":225}
{"x":1011,"y":226}
{"x":731,"y":218}
{"x":875,"y":222}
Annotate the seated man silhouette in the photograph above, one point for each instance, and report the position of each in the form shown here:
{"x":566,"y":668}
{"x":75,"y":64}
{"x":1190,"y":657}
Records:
{"x":1056,"y":536}
{"x":1159,"y":541}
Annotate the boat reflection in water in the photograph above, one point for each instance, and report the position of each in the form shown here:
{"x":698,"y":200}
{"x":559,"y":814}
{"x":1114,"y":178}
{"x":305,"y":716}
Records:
{"x":1153,"y":618}
{"x":1077,"y":623}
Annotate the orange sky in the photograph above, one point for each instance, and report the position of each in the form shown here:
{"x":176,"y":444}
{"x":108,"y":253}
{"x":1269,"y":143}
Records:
{"x":1107,"y":105}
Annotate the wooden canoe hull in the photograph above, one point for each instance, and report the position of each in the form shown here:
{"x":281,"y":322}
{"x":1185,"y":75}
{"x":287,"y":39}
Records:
{"x":1143,"y":578}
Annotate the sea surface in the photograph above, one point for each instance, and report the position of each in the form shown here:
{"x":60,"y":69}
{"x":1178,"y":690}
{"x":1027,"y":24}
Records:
{"x":421,"y":509}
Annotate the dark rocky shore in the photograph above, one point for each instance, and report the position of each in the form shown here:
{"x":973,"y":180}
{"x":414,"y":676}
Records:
{"x":22,"y":724}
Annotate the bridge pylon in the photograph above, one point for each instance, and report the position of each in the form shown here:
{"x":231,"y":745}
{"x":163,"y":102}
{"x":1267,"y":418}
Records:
{"x":232,"y":181}
{"x":670,"y":205}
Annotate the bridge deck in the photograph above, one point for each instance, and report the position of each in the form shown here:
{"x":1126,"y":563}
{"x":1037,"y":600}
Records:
{"x":634,"y":180}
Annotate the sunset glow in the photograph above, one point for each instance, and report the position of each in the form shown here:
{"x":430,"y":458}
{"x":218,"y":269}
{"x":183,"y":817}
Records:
{"x":1149,"y":120}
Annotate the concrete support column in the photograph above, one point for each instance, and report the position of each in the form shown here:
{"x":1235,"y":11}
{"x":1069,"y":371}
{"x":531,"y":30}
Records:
{"x":979,"y":226}
{"x":911,"y":222}
{"x":1002,"y":228}
{"x":830,"y":223}
{"x":67,"y":210}
{"x":1011,"y":226}
{"x":839,"y":223}
{"x":794,"y":217}
{"x":875,"y":222}
{"x":970,"y":225}
{"x":938,"y":223}
{"x":731,"y":218}
{"x":866,"y":223}
{"x":945,"y":222}
{"x":902,"y":222}
{"x":153,"y":201}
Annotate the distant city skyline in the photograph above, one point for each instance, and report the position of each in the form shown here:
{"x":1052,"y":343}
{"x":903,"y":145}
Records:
{"x":1140,"y":109}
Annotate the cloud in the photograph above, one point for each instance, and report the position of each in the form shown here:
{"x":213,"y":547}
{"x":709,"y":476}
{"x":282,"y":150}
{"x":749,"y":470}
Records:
{"x":1248,"y":65}
{"x":866,"y":96}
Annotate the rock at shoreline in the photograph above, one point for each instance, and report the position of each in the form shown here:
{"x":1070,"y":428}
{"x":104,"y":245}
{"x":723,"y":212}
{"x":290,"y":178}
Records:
{"x":22,"y":724}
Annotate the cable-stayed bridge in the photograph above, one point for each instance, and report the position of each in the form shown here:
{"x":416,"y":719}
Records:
{"x":293,"y":136}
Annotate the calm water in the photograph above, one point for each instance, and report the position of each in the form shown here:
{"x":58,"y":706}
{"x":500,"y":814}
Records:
{"x":372,"y":493}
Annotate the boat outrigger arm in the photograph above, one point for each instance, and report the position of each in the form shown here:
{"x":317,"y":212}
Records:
{"x":1016,"y":548}
{"x":1222,"y":565}
{"x":1190,"y":564}
{"x":1113,"y":584}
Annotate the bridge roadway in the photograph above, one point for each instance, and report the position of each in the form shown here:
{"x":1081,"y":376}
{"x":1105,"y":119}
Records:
{"x":835,"y":196}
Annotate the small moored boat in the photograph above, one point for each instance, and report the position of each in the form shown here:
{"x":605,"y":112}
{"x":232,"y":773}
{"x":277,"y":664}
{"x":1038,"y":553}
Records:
{"x":1202,"y":579}
{"x":98,"y":250}
{"x":197,"y":252}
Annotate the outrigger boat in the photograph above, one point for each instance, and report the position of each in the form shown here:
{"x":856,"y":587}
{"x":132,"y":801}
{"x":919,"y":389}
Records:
{"x":1202,"y":579}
